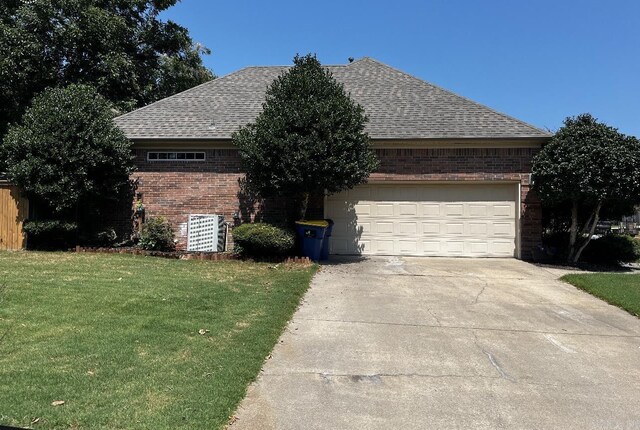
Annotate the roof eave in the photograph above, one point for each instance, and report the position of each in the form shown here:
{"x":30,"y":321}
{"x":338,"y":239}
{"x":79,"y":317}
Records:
{"x":226,"y":142}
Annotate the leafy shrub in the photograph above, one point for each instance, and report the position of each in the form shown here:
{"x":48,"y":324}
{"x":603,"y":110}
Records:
{"x":309,"y":139}
{"x":106,"y":237}
{"x":262,"y":239}
{"x":49,"y":234}
{"x":68,"y":149}
{"x":556,"y":244}
{"x":612,"y":249}
{"x":157,"y":235}
{"x":588,"y":168}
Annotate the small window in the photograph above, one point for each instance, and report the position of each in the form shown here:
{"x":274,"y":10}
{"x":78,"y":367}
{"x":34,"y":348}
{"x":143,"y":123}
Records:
{"x":176,"y":156}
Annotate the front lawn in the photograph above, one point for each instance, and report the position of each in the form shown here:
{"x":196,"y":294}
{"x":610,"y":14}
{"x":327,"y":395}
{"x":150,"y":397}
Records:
{"x":135,"y":342}
{"x":622,"y":290}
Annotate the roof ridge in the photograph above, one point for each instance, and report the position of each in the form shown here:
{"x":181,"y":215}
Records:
{"x":504,"y":115}
{"x":266,"y":66}
{"x":359,"y":60}
{"x":273,"y":66}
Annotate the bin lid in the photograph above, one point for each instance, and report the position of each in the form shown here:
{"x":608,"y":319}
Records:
{"x":314,"y":223}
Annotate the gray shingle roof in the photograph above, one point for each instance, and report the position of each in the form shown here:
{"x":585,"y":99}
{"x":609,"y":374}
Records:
{"x":399,"y":106}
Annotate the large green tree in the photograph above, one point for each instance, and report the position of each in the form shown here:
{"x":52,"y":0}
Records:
{"x":121,"y":47}
{"x":587,"y":168}
{"x":309,"y":138}
{"x":67,"y":153}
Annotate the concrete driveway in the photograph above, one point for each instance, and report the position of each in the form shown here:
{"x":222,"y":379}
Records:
{"x":396,"y":343}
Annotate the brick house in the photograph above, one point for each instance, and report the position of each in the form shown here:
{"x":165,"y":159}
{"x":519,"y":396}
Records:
{"x":454,"y":178}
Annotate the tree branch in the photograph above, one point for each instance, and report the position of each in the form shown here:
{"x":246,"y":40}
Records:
{"x":595,"y":216}
{"x":586,"y":224}
{"x":574,"y":230}
{"x":304,"y":206}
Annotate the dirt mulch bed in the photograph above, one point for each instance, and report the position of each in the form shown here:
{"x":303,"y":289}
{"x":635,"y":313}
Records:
{"x":215,"y":256}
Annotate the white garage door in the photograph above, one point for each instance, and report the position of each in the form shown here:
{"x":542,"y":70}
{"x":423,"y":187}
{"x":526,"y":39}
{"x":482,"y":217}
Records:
{"x":438,"y":220}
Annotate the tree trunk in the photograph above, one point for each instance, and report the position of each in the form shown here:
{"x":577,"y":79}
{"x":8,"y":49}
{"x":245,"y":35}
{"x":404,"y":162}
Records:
{"x":77,"y":223}
{"x":587,"y":225}
{"x":574,"y":231}
{"x":304,"y":205}
{"x":592,"y":229}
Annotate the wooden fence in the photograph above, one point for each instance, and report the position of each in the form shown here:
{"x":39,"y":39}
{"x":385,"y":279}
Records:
{"x":14,"y":209}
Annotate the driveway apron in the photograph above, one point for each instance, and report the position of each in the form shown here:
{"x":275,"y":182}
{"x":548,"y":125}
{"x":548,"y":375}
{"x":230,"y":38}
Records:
{"x":392,"y":342}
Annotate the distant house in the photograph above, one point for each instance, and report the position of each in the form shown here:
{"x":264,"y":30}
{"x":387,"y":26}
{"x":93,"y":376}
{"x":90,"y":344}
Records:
{"x":631,"y":224}
{"x":454,"y":178}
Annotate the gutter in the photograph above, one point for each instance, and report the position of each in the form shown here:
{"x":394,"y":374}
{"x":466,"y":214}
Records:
{"x":390,"y":143}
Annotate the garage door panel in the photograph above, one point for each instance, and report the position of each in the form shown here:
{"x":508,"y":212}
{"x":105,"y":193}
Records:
{"x":480,"y":247}
{"x":503,"y":228}
{"x":452,"y":247}
{"x":407,"y":247}
{"x":501,"y":247}
{"x":407,"y":227}
{"x":363,"y":209}
{"x":431,"y":210}
{"x":431,"y":228}
{"x":385,"y":228}
{"x":444,"y":220}
{"x":478,"y":228}
{"x":384,"y":246}
{"x":408,"y":209}
{"x":383,"y":210}
{"x":365,"y":228}
{"x":445,"y":230}
{"x":453,"y":209}
{"x":503,"y":210}
{"x":362,"y":247}
{"x":432,"y":247}
{"x":454,"y":228}
{"x":478,"y":210}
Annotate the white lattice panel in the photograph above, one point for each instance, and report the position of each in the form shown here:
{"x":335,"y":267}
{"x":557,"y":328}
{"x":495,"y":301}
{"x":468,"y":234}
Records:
{"x":205,"y":233}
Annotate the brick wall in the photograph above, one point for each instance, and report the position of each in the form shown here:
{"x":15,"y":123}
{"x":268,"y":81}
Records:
{"x":175,"y":189}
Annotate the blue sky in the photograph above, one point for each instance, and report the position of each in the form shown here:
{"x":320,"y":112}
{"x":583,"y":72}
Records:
{"x":537,"y":60}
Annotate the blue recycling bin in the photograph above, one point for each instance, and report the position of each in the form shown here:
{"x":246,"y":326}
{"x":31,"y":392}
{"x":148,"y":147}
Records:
{"x":324,"y":253}
{"x":311,"y":236}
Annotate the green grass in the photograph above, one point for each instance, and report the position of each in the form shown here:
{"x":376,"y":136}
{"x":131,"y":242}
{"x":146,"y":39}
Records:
{"x":619,"y":289}
{"x":116,"y":337}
